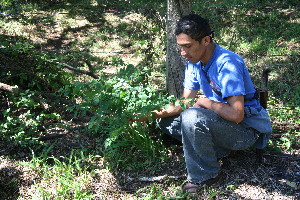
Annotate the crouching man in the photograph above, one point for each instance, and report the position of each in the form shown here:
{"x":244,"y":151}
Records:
{"x":229,"y":117}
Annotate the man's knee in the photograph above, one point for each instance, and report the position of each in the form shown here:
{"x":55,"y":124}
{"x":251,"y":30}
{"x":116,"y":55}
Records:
{"x":198,"y":117}
{"x":199,"y":114}
{"x":189,"y":118}
{"x":192,"y":115}
{"x":189,"y":113}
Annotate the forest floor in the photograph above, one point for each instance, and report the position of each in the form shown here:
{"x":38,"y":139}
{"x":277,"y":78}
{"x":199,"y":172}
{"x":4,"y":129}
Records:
{"x":277,"y":178}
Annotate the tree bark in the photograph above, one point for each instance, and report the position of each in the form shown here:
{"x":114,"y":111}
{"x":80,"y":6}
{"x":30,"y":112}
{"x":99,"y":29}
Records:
{"x":175,"y":62}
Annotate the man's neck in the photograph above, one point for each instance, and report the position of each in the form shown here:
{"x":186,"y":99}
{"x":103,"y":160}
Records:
{"x":209,"y":52}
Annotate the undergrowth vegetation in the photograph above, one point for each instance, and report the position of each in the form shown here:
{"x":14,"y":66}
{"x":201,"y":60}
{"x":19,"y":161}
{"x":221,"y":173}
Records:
{"x":100,"y":63}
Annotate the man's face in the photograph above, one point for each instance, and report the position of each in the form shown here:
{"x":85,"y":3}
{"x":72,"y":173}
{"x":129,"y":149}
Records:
{"x":193,"y":50}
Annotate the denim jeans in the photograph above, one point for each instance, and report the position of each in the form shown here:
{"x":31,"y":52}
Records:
{"x":206,"y":137}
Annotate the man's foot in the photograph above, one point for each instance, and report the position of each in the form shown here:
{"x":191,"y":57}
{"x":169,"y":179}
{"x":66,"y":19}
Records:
{"x":190,"y":187}
{"x":195,"y":187}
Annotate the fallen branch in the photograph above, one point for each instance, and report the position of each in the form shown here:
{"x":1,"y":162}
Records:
{"x":15,"y":89}
{"x":9,"y":88}
{"x":89,"y":64}
{"x":78,"y":70}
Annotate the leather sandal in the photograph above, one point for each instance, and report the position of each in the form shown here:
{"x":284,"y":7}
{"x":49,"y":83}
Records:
{"x":190,"y":187}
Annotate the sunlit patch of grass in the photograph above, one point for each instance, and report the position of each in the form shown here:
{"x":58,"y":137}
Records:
{"x":66,"y":178}
{"x":16,"y":28}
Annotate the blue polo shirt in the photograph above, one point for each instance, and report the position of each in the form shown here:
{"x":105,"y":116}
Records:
{"x":223,"y":76}
{"x":226,"y":75}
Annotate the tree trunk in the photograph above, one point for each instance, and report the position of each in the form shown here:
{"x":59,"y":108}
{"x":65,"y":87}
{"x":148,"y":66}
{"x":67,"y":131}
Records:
{"x":175,"y":62}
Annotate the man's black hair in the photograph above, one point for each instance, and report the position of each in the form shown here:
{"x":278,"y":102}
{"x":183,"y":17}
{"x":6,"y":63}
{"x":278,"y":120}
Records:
{"x":194,"y":26}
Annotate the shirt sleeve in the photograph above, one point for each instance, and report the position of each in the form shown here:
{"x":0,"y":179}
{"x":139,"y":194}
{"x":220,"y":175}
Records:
{"x":190,"y":78}
{"x":231,"y":77}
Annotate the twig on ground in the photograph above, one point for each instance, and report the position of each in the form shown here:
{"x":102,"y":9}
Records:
{"x":156,"y":178}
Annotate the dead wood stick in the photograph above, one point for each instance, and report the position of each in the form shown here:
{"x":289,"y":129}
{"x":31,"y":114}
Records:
{"x":9,"y":88}
{"x":155,"y":178}
{"x":89,"y":64}
{"x":15,"y":89}
{"x":78,"y":70}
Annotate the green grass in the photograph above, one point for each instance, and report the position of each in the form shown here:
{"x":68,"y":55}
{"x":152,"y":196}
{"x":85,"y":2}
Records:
{"x":64,"y":178}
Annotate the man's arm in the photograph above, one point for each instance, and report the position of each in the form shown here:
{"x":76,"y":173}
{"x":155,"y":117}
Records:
{"x":175,"y":110}
{"x":231,"y":111}
{"x":172,"y":109}
{"x":189,"y":93}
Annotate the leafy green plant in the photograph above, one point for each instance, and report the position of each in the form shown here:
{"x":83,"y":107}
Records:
{"x":288,"y":142}
{"x":116,"y":100}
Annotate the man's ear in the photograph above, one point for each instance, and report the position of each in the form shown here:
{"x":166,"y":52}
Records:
{"x":207,"y":40}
